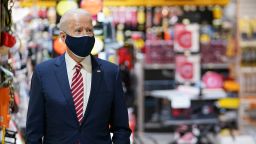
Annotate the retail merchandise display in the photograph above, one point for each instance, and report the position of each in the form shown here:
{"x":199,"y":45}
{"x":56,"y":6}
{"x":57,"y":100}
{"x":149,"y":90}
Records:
{"x":248,"y":42}
{"x":190,"y":83}
{"x":196,"y":42}
{"x":247,"y":74}
{"x":7,"y":94}
{"x":177,"y":63}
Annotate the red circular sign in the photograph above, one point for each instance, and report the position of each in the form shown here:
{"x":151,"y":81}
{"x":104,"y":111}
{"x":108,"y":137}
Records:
{"x":186,"y":70}
{"x":185,"y":39}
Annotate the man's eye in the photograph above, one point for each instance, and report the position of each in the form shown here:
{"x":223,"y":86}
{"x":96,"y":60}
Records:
{"x":89,"y":30}
{"x":79,"y":30}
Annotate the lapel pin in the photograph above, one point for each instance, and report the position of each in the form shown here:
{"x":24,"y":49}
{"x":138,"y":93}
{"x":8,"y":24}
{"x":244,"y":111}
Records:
{"x":98,"y":71}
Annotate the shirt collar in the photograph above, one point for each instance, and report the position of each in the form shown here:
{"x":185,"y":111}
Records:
{"x":86,"y":63}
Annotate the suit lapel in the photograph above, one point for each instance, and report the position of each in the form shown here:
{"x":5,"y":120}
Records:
{"x":62,"y":77}
{"x":95,"y":83}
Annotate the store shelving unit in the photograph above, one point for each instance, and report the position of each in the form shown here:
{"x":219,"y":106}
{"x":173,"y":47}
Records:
{"x":246,"y":73}
{"x":172,"y":66}
{"x":142,"y":70}
{"x":142,"y":94}
{"x":158,"y":66}
{"x":247,"y":99}
{"x":215,"y":66}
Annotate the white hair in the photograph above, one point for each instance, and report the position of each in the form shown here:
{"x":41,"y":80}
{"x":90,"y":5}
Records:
{"x":65,"y":19}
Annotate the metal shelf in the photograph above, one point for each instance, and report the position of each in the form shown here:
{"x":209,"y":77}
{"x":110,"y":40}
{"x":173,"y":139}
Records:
{"x":248,"y":94}
{"x":248,"y":43}
{"x":172,"y":66}
{"x":149,"y":93}
{"x":248,"y":69}
{"x":215,"y":66}
{"x":152,"y":125}
{"x":159,"y":66}
{"x":191,"y":121}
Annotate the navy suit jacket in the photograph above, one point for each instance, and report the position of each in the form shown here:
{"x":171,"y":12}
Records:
{"x":51,"y":117}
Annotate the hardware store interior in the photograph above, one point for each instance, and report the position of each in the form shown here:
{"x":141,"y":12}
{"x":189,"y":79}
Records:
{"x":188,"y":68}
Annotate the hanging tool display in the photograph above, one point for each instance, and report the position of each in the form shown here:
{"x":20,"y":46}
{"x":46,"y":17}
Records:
{"x":6,"y":100}
{"x":7,"y":41}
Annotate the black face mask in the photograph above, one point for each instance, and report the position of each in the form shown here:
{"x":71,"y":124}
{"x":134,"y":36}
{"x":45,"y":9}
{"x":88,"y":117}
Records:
{"x":80,"y":46}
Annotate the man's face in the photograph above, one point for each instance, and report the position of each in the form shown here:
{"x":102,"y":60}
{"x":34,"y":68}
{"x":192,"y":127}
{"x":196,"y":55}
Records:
{"x":78,"y":25}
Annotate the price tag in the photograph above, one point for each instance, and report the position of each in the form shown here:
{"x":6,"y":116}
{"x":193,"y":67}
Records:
{"x":181,"y":102}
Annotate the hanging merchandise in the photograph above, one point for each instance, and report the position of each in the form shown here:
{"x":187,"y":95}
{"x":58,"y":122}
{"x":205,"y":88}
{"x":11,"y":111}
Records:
{"x":186,"y":38}
{"x":248,"y":42}
{"x":217,"y":12}
{"x":7,"y":100}
{"x":125,"y":56}
{"x":51,"y":15}
{"x":159,"y":52}
{"x":120,"y":34}
{"x":149,"y":17}
{"x":245,"y":30}
{"x":157,"y":16}
{"x":184,"y":134}
{"x":126,"y":64}
{"x":98,"y":46}
{"x":5,"y":104}
{"x":141,"y":18}
{"x":132,"y":123}
{"x":34,"y":44}
{"x":253,"y":25}
{"x":212,"y":80}
{"x":65,"y":5}
{"x":6,"y":76}
{"x":8,"y":40}
{"x":3,"y":51}
{"x":124,"y":25}
{"x":111,"y":56}
{"x":92,"y":6}
{"x":228,"y":103}
{"x":59,"y":46}
{"x":138,"y":40}
{"x":109,"y":32}
{"x":231,"y":85}
{"x":4,"y":107}
{"x":206,"y":34}
{"x":214,"y":47}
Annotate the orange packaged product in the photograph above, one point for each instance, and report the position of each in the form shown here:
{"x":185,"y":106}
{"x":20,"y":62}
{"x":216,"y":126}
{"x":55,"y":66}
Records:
{"x":4,"y":107}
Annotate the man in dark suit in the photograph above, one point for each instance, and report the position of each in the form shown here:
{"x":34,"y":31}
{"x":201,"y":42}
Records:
{"x":77,"y":98}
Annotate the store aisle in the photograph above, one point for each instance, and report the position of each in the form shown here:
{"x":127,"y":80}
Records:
{"x":182,"y":63}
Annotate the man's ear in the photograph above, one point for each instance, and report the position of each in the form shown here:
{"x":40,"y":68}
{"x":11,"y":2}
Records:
{"x":62,"y":36}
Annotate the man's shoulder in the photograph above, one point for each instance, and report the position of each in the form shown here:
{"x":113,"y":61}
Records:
{"x":47,"y":65}
{"x":107,"y":64}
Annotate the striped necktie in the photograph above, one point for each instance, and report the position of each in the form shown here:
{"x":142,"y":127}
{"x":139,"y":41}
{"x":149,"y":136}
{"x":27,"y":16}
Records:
{"x":77,"y":90}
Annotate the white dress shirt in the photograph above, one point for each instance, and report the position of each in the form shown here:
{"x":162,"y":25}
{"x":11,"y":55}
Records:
{"x":86,"y":71}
